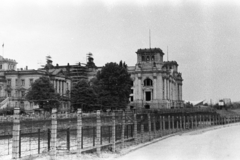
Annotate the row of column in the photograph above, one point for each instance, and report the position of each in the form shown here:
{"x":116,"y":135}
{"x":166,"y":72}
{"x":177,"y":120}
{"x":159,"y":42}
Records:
{"x":171,"y":90}
{"x":60,"y":86}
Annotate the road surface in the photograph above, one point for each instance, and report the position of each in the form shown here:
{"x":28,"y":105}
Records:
{"x":218,"y":144}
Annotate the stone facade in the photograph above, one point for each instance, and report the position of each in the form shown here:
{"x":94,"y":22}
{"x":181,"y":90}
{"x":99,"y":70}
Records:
{"x":155,"y":83}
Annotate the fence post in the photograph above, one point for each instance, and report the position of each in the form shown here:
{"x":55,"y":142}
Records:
{"x":200,"y":121}
{"x":16,"y":133}
{"x":160,"y":126}
{"x":173,"y":127}
{"x":180,"y":125}
{"x":164,"y":127}
{"x":154,"y":127}
{"x":142,"y":129}
{"x":123,"y":130}
{"x":113,"y":132}
{"x":210,"y":119}
{"x":98,"y":137}
{"x":169,"y":124}
{"x":149,"y":127}
{"x":53,"y":142}
{"x":79,"y":131}
{"x":184,"y":123}
{"x":195,"y":117}
{"x":177,"y":124}
{"x":135,"y":128}
{"x":192,"y":122}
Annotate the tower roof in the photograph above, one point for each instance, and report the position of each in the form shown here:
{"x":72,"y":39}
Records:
{"x":150,"y":50}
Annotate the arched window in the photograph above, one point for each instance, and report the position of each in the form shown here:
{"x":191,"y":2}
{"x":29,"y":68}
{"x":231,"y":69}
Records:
{"x":147,"y":82}
{"x":147,"y":58}
{"x":152,"y":59}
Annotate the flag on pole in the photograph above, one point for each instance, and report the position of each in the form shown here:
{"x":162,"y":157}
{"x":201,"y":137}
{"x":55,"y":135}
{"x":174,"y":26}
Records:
{"x":3,"y":45}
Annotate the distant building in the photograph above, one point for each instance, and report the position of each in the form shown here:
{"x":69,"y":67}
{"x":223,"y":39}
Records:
{"x":14,"y":84}
{"x":155,"y":83}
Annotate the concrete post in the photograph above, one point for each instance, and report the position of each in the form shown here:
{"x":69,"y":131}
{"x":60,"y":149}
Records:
{"x":169,"y":124}
{"x":53,"y":151}
{"x":192,"y":122}
{"x":177,"y":127}
{"x":160,"y":126}
{"x":123,"y":130}
{"x":149,"y":127}
{"x":195,"y":121}
{"x":180,"y":126}
{"x":200,"y":121}
{"x":79,"y":132}
{"x":98,"y":132}
{"x":142,"y":130}
{"x":164,"y":127}
{"x":184,"y":123}
{"x":114,"y":132}
{"x":173,"y":127}
{"x":210,"y":120}
{"x":154,"y":127}
{"x":16,"y":133}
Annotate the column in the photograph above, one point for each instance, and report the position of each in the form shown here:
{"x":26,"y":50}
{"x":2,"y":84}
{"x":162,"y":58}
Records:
{"x":98,"y":137}
{"x":54,"y":134}
{"x":57,"y":86}
{"x":154,"y":87}
{"x":139,"y":89}
{"x":79,"y":131}
{"x":113,"y":132}
{"x":165,"y":88}
{"x":64,"y":88}
{"x":60,"y":87}
{"x":16,"y":134}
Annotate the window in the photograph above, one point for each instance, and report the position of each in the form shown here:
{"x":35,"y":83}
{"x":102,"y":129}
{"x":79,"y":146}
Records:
{"x":131,"y":98}
{"x":147,"y":106}
{"x":30,"y":81}
{"x":132,"y":91}
{"x":152,"y":58}
{"x":0,"y":66}
{"x":143,"y":58}
{"x":131,"y":83}
{"x":16,"y":94}
{"x":9,"y":82}
{"x":16,"y":82}
{"x":23,"y":82}
{"x":23,"y":93}
{"x":147,"y":82}
{"x":148,"y":96}
{"x":148,"y":58}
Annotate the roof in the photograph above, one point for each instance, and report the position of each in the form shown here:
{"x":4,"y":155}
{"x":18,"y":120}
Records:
{"x":170,"y":63}
{"x":150,"y":50}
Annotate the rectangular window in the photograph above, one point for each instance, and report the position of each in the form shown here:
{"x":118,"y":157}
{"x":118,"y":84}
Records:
{"x":132,"y":91}
{"x":23,"y":93}
{"x":131,"y":98}
{"x":148,"y":96}
{"x":23,"y":82}
{"x":9,"y":82}
{"x":30,"y":81}
{"x":16,"y":82}
{"x":16,"y":94}
{"x":0,"y":66}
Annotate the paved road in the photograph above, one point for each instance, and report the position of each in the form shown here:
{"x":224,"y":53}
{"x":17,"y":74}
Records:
{"x":218,"y":144}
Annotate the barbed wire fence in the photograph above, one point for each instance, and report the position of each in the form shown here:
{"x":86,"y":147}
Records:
{"x":60,"y":134}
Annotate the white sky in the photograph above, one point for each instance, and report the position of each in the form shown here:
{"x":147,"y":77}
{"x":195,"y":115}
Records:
{"x":202,"y":36}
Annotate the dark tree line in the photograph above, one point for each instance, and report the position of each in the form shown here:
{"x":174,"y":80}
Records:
{"x":109,"y":90}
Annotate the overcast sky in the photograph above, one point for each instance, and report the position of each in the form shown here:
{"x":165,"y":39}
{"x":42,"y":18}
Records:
{"x":203,"y":37}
